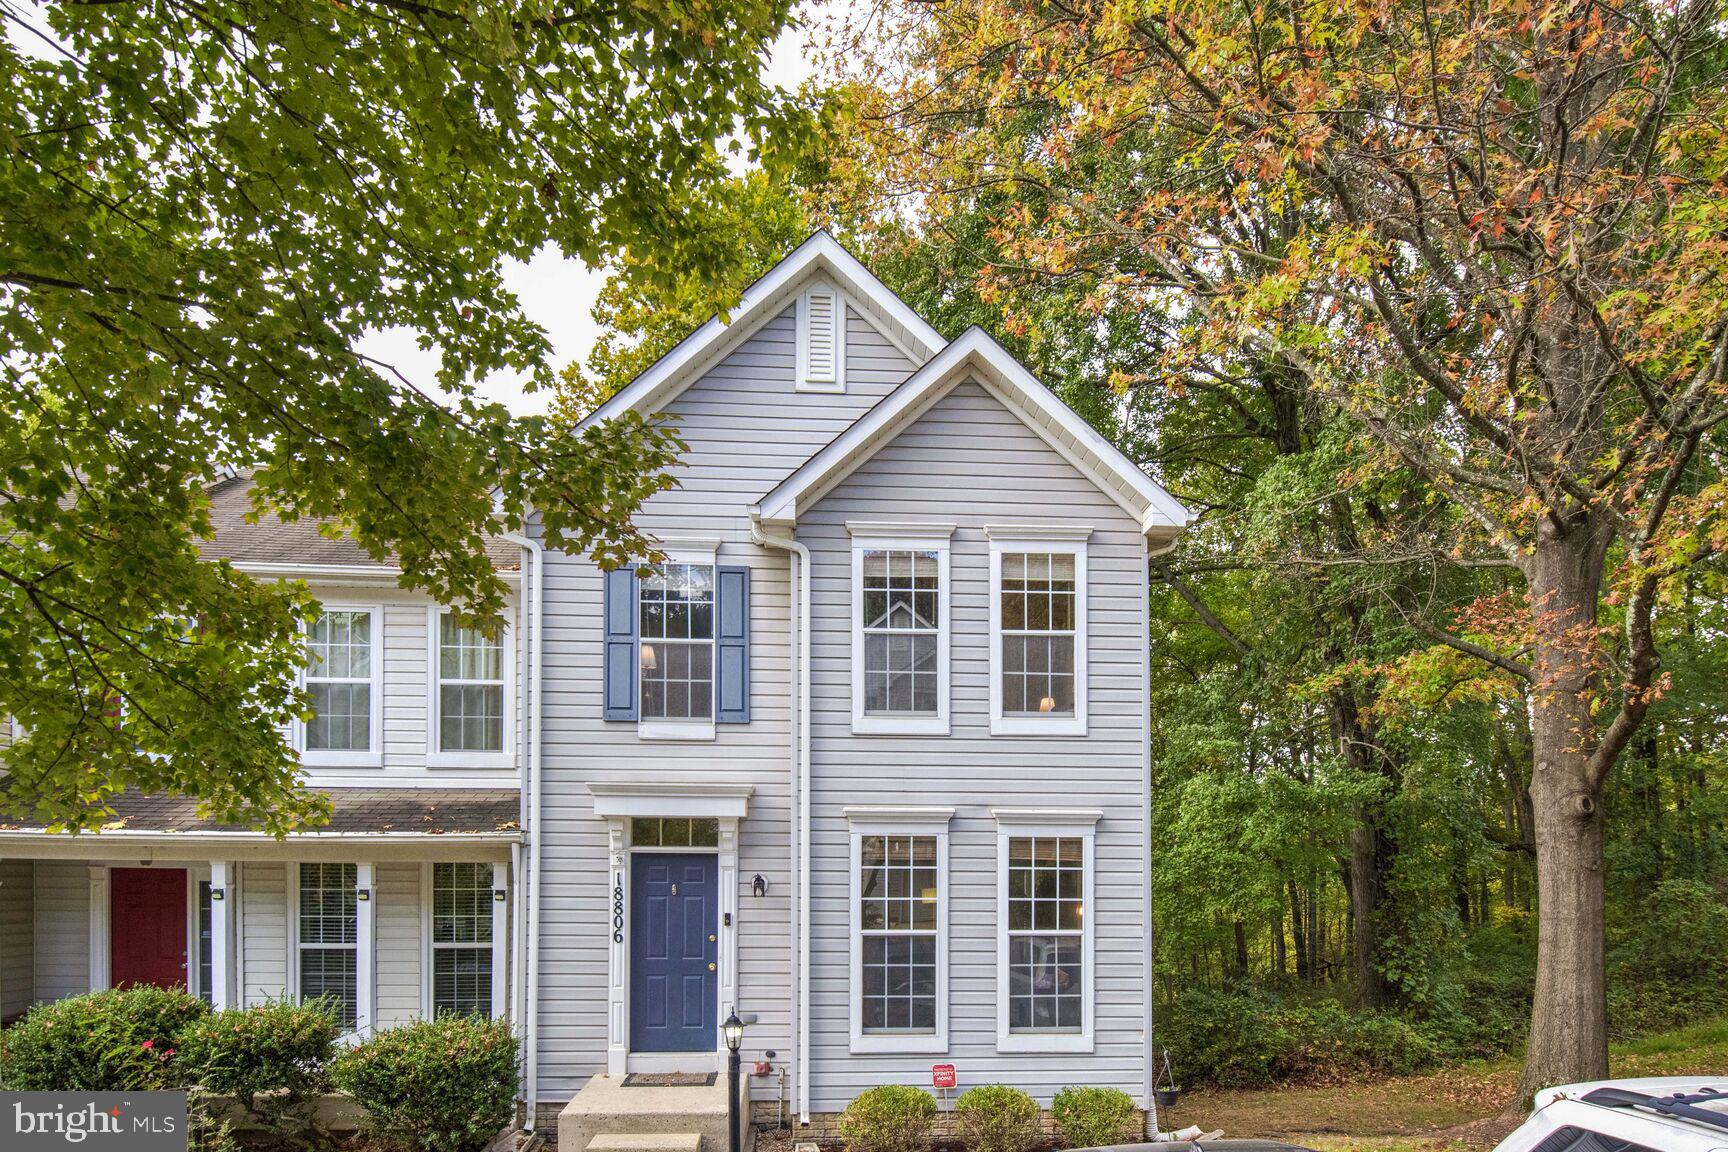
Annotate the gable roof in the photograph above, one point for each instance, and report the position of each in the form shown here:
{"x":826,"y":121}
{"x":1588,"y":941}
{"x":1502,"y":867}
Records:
{"x":761,"y":302}
{"x":976,"y":355}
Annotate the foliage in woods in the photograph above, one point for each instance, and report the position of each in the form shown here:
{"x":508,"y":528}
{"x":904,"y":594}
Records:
{"x":204,"y":207}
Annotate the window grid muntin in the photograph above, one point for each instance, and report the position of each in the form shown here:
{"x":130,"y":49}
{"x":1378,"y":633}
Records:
{"x":1046,"y":884}
{"x":471,"y":670}
{"x":462,"y":939}
{"x":328,"y":935}
{"x":900,"y":616}
{"x":339,"y":680}
{"x":1039,"y":605}
{"x":674,"y":832}
{"x":899,"y":893}
{"x":676,"y":618}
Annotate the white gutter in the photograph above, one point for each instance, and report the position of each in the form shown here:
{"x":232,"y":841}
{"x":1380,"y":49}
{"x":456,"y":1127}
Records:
{"x":531,"y":804}
{"x":801,"y":824}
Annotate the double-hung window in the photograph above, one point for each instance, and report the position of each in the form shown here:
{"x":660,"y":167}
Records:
{"x":677,"y":648}
{"x":1044,"y":962}
{"x":466,"y":937}
{"x":899,"y":926}
{"x":469,"y":700}
{"x":328,"y":937}
{"x":342,"y":679}
{"x":1037,"y":631}
{"x":900,"y":630}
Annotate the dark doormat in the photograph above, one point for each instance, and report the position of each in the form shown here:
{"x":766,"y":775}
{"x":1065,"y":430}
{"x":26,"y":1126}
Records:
{"x":669,"y":1079}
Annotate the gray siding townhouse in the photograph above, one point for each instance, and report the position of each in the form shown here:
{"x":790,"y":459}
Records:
{"x":404,"y":905}
{"x":866,"y":758}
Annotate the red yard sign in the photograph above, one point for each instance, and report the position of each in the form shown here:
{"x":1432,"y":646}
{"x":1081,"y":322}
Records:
{"x":942,"y":1076}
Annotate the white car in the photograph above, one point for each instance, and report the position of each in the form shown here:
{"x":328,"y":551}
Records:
{"x":1654,"y":1114}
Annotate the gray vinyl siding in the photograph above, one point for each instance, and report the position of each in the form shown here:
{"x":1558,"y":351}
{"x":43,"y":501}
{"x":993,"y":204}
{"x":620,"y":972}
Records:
{"x":263,"y":931}
{"x":970,"y":461}
{"x":398,"y":936}
{"x":62,"y":928}
{"x":17,"y":937}
{"x":746,"y":428}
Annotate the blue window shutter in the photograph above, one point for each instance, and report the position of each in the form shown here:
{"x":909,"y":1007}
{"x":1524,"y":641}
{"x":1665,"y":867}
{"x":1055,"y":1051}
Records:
{"x":621,"y":636}
{"x":732,"y":645}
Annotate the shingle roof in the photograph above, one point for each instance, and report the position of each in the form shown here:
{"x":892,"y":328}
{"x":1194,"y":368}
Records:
{"x":442,"y":811}
{"x":276,"y":541}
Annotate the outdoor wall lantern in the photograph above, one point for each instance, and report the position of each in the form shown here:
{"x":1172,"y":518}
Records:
{"x":759,"y":886}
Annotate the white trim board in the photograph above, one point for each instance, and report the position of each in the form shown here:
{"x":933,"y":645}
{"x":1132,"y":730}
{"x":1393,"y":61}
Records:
{"x":976,"y":355}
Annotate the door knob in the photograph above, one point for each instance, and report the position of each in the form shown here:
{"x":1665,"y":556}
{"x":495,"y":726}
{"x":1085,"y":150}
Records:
{"x":710,"y":937}
{"x":710,"y":967}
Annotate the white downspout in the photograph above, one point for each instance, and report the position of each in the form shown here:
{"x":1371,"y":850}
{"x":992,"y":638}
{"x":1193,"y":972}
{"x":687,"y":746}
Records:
{"x":801,"y":824}
{"x":531,"y":1005}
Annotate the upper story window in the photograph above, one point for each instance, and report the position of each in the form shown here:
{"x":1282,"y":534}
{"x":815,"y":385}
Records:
{"x":1044,"y":961}
{"x":342,"y":676}
{"x":1037,"y":633}
{"x":677,"y":646}
{"x":470,"y":700}
{"x":900,"y":632}
{"x":899,"y":926}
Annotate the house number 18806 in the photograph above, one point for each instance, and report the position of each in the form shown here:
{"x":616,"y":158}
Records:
{"x":618,"y":908}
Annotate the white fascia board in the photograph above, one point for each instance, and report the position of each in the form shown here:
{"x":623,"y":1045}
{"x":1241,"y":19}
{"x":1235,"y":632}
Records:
{"x":974,"y":350}
{"x":360,"y":575}
{"x":691,"y":355}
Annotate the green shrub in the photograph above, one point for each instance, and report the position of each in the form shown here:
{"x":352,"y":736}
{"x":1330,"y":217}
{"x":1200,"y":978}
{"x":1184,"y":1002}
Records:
{"x":273,"y":1059}
{"x":444,"y":1085}
{"x":997,"y":1118}
{"x":888,"y":1118}
{"x":116,"y":1041}
{"x":1090,"y":1117}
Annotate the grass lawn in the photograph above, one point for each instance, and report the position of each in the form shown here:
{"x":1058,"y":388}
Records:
{"x":1448,"y":1111}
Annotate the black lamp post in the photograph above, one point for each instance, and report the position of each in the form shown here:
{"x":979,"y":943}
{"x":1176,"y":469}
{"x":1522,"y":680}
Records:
{"x":732,"y":1031}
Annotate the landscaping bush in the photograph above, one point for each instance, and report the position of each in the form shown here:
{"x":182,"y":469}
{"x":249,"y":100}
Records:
{"x":889,"y":1118}
{"x":119,"y":1040}
{"x":997,"y":1118}
{"x":1089,"y":1117}
{"x":444,"y":1085}
{"x":273,"y":1059}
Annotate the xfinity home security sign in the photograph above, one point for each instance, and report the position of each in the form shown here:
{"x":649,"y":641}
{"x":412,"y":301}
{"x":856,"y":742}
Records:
{"x":93,"y":1121}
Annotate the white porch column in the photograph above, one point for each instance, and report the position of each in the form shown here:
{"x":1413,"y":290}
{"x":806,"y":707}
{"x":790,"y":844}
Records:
{"x":365,"y":902}
{"x":500,"y":935}
{"x":99,"y":927}
{"x":224,"y":895}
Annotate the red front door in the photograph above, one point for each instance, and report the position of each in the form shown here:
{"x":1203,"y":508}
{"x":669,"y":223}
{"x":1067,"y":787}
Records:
{"x":147,"y":927}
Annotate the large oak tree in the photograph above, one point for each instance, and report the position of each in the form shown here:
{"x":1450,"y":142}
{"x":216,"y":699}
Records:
{"x":204,"y":204}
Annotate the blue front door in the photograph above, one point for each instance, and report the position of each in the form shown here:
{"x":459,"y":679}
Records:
{"x":674,"y":951}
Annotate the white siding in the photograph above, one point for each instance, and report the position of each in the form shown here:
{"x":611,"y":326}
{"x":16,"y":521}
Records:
{"x":970,"y":461}
{"x":398,"y":943}
{"x":62,"y":928}
{"x":264,"y":930}
{"x":17,"y":937}
{"x":746,"y":428}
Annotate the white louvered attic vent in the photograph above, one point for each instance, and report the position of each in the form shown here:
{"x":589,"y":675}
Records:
{"x":820,"y":340}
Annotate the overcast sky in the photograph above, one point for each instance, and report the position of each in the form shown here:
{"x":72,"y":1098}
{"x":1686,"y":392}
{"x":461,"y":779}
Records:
{"x":557,"y":292}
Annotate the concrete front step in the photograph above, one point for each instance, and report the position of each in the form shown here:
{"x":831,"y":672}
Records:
{"x":646,"y":1142}
{"x":606,"y":1107}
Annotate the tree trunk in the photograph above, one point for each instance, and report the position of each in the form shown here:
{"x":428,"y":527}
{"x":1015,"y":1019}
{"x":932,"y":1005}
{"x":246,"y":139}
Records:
{"x":1569,"y":1020}
{"x":1299,"y":934}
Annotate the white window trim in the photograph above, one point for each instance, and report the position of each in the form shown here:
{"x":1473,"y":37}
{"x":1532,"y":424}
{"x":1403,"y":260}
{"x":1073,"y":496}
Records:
{"x":1038,"y":539}
{"x":897,"y":822}
{"x":436,"y":756}
{"x":802,"y":381}
{"x":903,"y":538}
{"x":365,"y":917}
{"x":685,"y":550}
{"x":372,"y":757}
{"x":500,"y":937}
{"x":1075,"y":824}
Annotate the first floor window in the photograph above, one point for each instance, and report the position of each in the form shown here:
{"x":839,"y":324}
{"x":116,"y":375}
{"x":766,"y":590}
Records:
{"x":677,"y":653}
{"x":339,"y":680}
{"x":205,"y":953}
{"x":1046,"y":935}
{"x":462,"y":939}
{"x":329,"y":935}
{"x":897,"y":919}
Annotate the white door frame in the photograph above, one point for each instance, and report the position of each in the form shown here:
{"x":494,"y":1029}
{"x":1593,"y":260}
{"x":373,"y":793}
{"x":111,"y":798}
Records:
{"x":617,"y":804}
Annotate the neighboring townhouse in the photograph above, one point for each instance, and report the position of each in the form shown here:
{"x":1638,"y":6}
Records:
{"x":866,"y":759}
{"x":404,"y":905}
